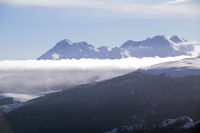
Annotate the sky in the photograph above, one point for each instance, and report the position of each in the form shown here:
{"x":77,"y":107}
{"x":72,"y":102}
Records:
{"x":28,"y":28}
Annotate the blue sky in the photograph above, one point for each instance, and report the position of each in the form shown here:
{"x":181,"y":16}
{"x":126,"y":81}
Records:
{"x":28,"y":28}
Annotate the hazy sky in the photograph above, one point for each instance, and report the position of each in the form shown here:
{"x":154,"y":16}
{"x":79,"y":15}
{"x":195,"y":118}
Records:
{"x":28,"y":28}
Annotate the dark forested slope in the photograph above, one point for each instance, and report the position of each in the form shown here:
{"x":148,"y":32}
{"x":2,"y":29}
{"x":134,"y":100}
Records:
{"x":132,"y":98}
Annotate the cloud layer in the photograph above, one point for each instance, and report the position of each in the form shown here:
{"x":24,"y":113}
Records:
{"x":38,"y":77}
{"x":162,"y":9}
{"x":177,"y":1}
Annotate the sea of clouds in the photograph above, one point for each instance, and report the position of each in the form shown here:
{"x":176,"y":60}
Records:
{"x":36,"y":77}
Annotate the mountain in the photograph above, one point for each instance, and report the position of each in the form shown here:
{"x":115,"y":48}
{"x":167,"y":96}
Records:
{"x":160,"y":45}
{"x":132,"y":99}
{"x":184,"y":67}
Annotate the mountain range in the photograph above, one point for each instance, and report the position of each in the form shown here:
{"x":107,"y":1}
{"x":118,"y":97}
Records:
{"x":161,"y":98}
{"x":160,"y":45}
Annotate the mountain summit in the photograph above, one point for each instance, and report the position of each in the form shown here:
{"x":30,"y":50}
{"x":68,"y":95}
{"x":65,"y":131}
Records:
{"x":177,"y":39}
{"x":160,"y":45}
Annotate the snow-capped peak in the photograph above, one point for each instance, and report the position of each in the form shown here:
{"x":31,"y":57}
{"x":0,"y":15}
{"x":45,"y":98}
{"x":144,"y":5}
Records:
{"x":67,"y":41}
{"x":128,"y":43}
{"x":160,"y":40}
{"x":160,"y":37}
{"x":63,"y":43}
{"x":177,"y":39}
{"x":159,"y":45}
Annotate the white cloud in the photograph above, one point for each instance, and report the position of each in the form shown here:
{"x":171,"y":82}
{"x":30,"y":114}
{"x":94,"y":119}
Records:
{"x":35,"y":77}
{"x":169,"y":9}
{"x":56,"y":56}
{"x":177,"y":1}
{"x":18,"y":97}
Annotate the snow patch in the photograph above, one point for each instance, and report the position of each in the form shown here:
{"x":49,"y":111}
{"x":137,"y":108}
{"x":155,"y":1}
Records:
{"x":55,"y":56}
{"x":191,"y":124}
{"x":169,"y":122}
{"x":19,"y":97}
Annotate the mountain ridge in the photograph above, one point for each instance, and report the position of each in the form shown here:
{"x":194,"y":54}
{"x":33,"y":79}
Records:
{"x":181,"y":68}
{"x":159,"y":45}
{"x":134,"y":98}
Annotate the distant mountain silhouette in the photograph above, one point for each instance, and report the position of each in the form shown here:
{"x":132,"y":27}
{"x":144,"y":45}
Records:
{"x":160,"y":45}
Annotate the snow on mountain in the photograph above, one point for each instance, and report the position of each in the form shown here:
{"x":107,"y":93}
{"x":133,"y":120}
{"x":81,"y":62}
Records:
{"x":19,"y":97}
{"x":160,"y":45}
{"x":11,"y":101}
{"x":169,"y":122}
{"x":67,"y":50}
{"x":183,"y":124}
{"x":177,"y":39}
{"x":184,"y":67}
{"x":191,"y":124}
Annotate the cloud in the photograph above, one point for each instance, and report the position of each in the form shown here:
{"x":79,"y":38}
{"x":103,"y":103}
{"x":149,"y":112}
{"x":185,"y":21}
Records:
{"x":169,"y":9}
{"x":176,"y":2}
{"x":18,"y":97}
{"x":37,"y":77}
